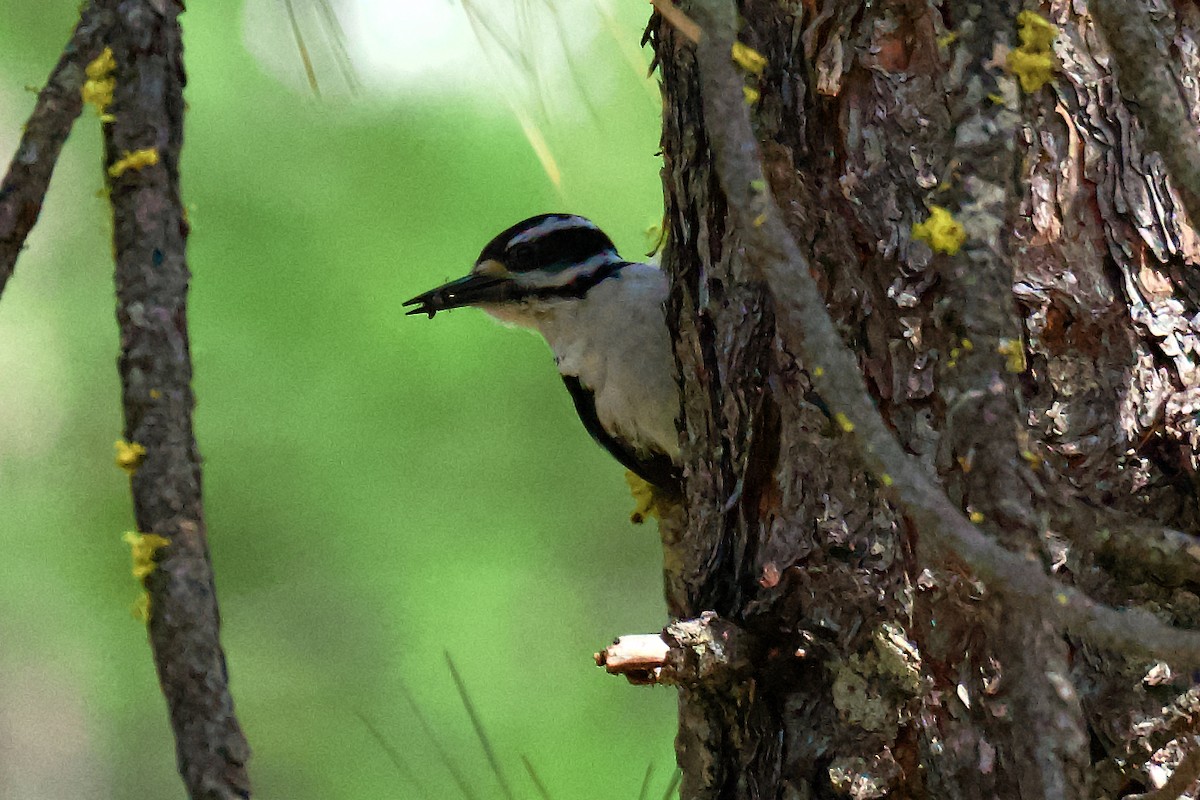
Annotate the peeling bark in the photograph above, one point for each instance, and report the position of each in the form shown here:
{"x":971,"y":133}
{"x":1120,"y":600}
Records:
{"x":1047,"y":375}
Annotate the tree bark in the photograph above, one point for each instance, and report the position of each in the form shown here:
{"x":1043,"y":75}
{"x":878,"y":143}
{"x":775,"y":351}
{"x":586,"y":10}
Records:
{"x":1047,"y":375}
{"x":143,"y":142}
{"x":126,"y":58}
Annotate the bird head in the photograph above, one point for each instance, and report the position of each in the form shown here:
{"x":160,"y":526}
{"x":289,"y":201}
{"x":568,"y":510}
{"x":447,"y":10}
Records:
{"x":536,"y":263}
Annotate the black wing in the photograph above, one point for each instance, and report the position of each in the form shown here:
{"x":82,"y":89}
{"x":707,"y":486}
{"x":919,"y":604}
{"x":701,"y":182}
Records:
{"x":657,"y":469}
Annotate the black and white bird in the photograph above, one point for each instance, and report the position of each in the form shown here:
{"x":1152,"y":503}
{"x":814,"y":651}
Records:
{"x":604,"y":319}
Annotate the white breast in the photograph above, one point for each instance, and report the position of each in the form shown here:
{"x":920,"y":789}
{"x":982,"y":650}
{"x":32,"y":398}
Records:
{"x":615,"y":340}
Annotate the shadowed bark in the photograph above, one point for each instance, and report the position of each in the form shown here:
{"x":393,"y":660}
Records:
{"x":1028,"y":374}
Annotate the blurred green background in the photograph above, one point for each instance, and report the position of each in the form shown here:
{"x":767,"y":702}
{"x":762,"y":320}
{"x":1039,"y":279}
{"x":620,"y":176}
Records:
{"x":379,"y":488}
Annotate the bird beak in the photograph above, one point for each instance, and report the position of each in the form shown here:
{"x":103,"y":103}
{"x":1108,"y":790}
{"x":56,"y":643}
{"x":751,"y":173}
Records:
{"x":469,"y":291}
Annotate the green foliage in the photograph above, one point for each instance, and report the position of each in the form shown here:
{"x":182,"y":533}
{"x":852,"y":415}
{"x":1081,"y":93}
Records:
{"x":379,"y":489}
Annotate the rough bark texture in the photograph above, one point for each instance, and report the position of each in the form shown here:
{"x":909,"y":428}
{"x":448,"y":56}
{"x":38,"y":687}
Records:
{"x":884,"y":667}
{"x":149,"y":237}
{"x":126,"y":56}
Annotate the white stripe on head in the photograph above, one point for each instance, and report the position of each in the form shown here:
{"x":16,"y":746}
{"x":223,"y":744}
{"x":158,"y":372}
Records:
{"x":564,"y":276}
{"x":550,"y":225}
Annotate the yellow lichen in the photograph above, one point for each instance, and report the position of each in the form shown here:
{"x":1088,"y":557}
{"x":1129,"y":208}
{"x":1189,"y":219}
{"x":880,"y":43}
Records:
{"x":941,"y":231}
{"x":646,"y":499}
{"x":1033,"y":62}
{"x":141,"y":608}
{"x":886,"y":479}
{"x":1014,"y":355}
{"x":748,"y":58}
{"x":143,"y":547}
{"x":818,"y":371}
{"x":751,"y":94}
{"x":129,"y":456}
{"x":844,"y":422}
{"x":136,"y":159}
{"x":97,"y":90}
{"x":976,"y":517}
{"x":656,"y":236}
{"x":760,"y":220}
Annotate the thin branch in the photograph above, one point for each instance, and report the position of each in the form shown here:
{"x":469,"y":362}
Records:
{"x":639,"y":657}
{"x":1131,"y":545}
{"x":24,"y":187}
{"x":679,"y":20}
{"x":806,"y":328}
{"x":143,"y":141}
{"x":707,"y":650}
{"x":1145,"y":76}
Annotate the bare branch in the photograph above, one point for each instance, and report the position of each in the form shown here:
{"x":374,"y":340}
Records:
{"x":59,"y":103}
{"x":681,"y":21}
{"x":639,"y":657}
{"x":806,"y":328}
{"x":705,"y":650}
{"x":1146,"y":77}
{"x":143,"y":141}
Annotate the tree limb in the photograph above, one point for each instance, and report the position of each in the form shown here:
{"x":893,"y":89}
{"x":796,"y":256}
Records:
{"x":805,"y":326}
{"x":142,"y":149}
{"x":1130,"y":545}
{"x":1147,"y":78}
{"x":980,"y":463}
{"x":59,"y":103}
{"x":694,"y":652}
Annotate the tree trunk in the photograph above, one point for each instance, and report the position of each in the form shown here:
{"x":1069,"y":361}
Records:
{"x":1048,"y":374}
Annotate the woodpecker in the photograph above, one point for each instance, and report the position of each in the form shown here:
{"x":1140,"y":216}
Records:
{"x":603,"y":318}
